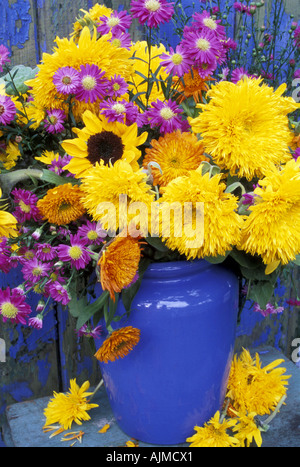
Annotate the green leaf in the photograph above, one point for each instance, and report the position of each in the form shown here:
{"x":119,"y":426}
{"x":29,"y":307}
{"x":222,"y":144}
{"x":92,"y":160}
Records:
{"x":234,"y":186}
{"x":91,"y":309}
{"x":157,"y":243}
{"x":51,"y":177}
{"x":129,"y":294}
{"x":216,"y":259}
{"x":261,"y":293}
{"x":297,"y":260}
{"x":245,"y":260}
{"x":76,"y":306}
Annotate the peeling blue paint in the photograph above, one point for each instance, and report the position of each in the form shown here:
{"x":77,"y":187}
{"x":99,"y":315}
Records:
{"x":44,"y":367}
{"x":15,"y":24}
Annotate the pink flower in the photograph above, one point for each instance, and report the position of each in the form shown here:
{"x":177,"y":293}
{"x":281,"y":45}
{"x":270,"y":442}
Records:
{"x":297,"y":73}
{"x":117,"y":86}
{"x":297,"y":37}
{"x":5,"y":260}
{"x":152,"y":12}
{"x":76,"y":253}
{"x":177,"y":62}
{"x":36,"y":322}
{"x":87,"y":331}
{"x":54,"y":122}
{"x":119,"y":111}
{"x":66,"y":80}
{"x":34,"y":270}
{"x":4,"y":53}
{"x":269,"y":310}
{"x":45,"y":252}
{"x":206,"y":22}
{"x":166,"y":115}
{"x":296,"y":154}
{"x":92,"y":85}
{"x":117,"y":22}
{"x":13,"y":306}
{"x":7,"y":110}
{"x":121,"y":39}
{"x":202,"y":45}
{"x":238,"y":74}
{"x":26,"y":208}
{"x":92,"y":233}
{"x":58,"y":292}
{"x":293,"y":302}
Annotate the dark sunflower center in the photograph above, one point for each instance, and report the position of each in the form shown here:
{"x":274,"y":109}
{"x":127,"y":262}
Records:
{"x":106,"y":146}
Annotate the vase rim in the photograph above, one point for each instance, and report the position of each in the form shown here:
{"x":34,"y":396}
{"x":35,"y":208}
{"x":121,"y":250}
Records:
{"x":175,"y":268}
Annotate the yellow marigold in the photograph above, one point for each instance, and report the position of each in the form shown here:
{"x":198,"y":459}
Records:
{"x":204,"y":215}
{"x":176,"y":154}
{"x":245,"y":126}
{"x":62,"y":204}
{"x":192,"y":85}
{"x":272,"y":230}
{"x":252,"y":388}
{"x":119,"y":264}
{"x":113,"y":194}
{"x":70,"y":407}
{"x":90,"y":49}
{"x":118,"y":344}
{"x":214,"y":434}
{"x":246,"y":430}
{"x":102,"y":142}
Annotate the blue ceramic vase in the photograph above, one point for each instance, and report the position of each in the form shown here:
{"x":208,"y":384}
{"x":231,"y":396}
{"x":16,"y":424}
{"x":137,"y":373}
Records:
{"x":176,"y":376}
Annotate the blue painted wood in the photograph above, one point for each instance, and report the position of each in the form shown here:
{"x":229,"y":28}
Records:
{"x":15,"y":23}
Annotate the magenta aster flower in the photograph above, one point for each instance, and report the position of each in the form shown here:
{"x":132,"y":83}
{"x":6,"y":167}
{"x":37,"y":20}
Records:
{"x":36,"y":322}
{"x":296,"y":154}
{"x":165,"y":115}
{"x":92,"y":233}
{"x":269,"y":310}
{"x":34,"y":270}
{"x":54,"y":122}
{"x":202,"y":45}
{"x":45,"y":252}
{"x":5,"y":260}
{"x":76,"y":253}
{"x":177,"y":62}
{"x":87,"y":331}
{"x":7,"y":110}
{"x":117,"y":22}
{"x":238,"y":74}
{"x":26,"y":208}
{"x":121,"y":39}
{"x":297,"y":73}
{"x":4,"y":53}
{"x":66,"y":80}
{"x":293,"y":302}
{"x":117,"y":86}
{"x":92,"y":85}
{"x":13,"y":306}
{"x":58,"y":292}
{"x":119,"y":111}
{"x":152,"y":12}
{"x":205,"y":21}
{"x":297,"y":37}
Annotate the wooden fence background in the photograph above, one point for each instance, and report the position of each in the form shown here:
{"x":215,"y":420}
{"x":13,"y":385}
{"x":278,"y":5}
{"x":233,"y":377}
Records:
{"x":36,"y":363}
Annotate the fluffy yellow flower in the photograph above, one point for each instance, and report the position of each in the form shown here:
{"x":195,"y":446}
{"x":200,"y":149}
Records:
{"x":101,"y":52}
{"x":70,"y":407}
{"x":252,"y":388}
{"x":10,"y":156}
{"x":246,"y":430}
{"x":112,"y":192}
{"x":272,"y":230}
{"x":220,"y":226}
{"x":245,"y":126}
{"x":214,"y":434}
{"x":8,"y":223}
{"x":102,"y":142}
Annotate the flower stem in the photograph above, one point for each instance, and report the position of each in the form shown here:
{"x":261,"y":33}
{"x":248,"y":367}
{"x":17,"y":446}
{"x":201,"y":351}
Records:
{"x":97,"y":388}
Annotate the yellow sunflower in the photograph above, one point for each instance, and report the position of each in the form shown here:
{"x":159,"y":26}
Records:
{"x":62,"y":204}
{"x":101,"y":142}
{"x":118,"y":344}
{"x":8,"y":223}
{"x":73,"y":406}
{"x":140,"y":55}
{"x":176,"y":154}
{"x":206,"y":222}
{"x":245,"y":126}
{"x":101,"y":52}
{"x":111,"y":194}
{"x":119,"y":264}
{"x":272,"y":230}
{"x":214,"y":434}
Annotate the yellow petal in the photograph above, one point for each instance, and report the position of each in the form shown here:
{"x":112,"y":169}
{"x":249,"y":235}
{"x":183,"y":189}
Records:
{"x":104,"y":428}
{"x":271,"y":267}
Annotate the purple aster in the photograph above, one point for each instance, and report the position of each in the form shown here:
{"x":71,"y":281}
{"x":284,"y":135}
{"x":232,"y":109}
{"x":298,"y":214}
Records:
{"x":117,"y":86}
{"x":92,"y":233}
{"x":248,"y":199}
{"x":76,"y":253}
{"x":297,"y":36}
{"x":121,"y":39}
{"x":45,"y":252}
{"x":58,"y":292}
{"x":297,"y":73}
{"x":13,"y":306}
{"x":205,"y":21}
{"x":269,"y":310}
{"x":202,"y":46}
{"x":165,"y":115}
{"x":26,"y":208}
{"x":152,"y":12}
{"x":36,"y":322}
{"x":66,"y":80}
{"x":7,"y":110}
{"x":296,"y":154}
{"x":34,"y":270}
{"x":117,"y":22}
{"x":4,"y":53}
{"x":5,"y":260}
{"x":293,"y":302}
{"x":92,"y":85}
{"x":87,"y":331}
{"x":54,"y":122}
{"x":119,"y":111}
{"x":238,"y":74}
{"x":177,"y":62}
{"x":205,"y":69}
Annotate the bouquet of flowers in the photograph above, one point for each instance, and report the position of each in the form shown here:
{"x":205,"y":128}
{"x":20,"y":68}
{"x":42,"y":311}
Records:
{"x":117,"y":154}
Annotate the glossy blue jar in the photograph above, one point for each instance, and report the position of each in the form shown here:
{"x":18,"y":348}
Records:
{"x":176,"y":376}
